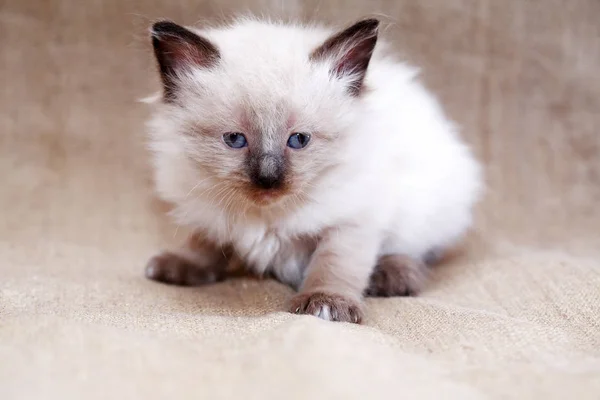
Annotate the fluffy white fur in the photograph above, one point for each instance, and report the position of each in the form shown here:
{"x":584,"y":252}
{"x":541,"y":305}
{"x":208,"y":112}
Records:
{"x":388,"y":163}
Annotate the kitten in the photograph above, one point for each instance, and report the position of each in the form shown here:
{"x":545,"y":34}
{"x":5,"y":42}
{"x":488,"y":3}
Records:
{"x":306,"y":154}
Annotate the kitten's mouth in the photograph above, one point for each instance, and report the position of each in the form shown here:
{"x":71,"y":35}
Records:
{"x":266,"y":197}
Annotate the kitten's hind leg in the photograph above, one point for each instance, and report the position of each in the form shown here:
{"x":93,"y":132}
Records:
{"x":177,"y":268}
{"x":198,"y":262}
{"x":397,"y":275}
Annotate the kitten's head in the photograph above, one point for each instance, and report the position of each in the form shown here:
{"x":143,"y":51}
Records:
{"x":258,"y":109}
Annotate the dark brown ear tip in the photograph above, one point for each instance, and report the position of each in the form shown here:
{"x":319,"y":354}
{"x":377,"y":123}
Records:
{"x":368,"y":24}
{"x":164,"y":27}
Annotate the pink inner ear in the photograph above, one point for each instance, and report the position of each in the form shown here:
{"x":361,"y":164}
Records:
{"x":176,"y":51}
{"x":345,"y":64}
{"x":183,"y":54}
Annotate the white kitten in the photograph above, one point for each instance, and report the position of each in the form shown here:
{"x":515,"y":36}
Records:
{"x":307,"y":154}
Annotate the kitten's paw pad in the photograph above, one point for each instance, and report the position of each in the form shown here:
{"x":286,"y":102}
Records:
{"x":397,"y":275}
{"x":330,"y":307}
{"x":174,"y":269}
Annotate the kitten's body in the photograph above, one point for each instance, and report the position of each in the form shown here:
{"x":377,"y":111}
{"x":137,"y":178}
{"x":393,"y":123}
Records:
{"x":386,"y":174}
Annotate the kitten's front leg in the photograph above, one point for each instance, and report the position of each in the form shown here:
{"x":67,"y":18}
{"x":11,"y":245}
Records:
{"x":338,"y":274}
{"x":198,"y":262}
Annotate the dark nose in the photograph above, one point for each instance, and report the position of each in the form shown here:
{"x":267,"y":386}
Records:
{"x":267,"y":171}
{"x":268,"y":181}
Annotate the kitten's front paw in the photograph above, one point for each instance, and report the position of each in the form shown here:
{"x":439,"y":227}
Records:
{"x":175,"y":269}
{"x":327,"y":306}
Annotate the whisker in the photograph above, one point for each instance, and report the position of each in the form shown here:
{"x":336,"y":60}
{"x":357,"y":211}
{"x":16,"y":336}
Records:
{"x":196,"y":186}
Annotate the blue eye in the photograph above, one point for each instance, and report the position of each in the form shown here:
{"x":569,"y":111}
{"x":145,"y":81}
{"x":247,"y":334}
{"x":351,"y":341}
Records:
{"x":298,"y":140}
{"x":235,"y":140}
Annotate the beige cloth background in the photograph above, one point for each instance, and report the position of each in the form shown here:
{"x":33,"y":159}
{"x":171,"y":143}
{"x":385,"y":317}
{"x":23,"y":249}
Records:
{"x":517,"y":316}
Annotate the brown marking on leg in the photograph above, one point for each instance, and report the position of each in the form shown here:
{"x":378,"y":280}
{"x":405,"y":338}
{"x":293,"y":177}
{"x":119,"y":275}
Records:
{"x":176,"y":269}
{"x":198,"y":262}
{"x":327,"y":306}
{"x":397,"y":275}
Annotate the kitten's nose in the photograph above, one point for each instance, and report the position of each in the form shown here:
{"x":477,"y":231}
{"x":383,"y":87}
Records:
{"x":268,"y":172}
{"x":268,"y":181}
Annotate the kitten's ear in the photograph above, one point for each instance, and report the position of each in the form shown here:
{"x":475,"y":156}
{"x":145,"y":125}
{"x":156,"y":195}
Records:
{"x":350,"y":52}
{"x":177,"y":49}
